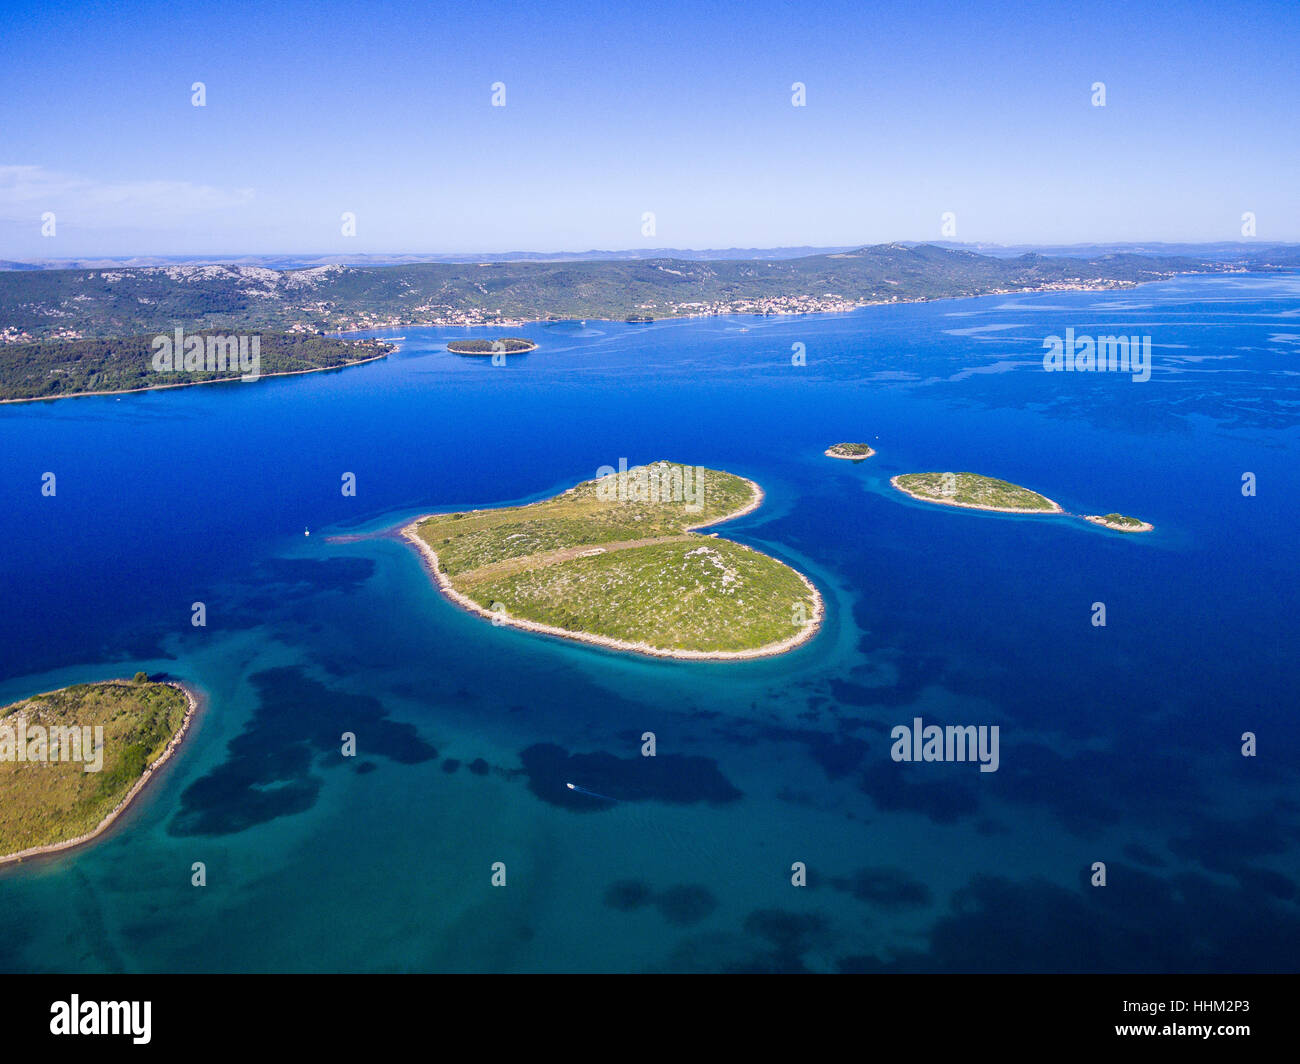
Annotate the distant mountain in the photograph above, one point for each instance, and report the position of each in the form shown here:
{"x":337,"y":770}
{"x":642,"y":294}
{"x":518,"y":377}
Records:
{"x":1221,"y":251}
{"x":297,"y":262}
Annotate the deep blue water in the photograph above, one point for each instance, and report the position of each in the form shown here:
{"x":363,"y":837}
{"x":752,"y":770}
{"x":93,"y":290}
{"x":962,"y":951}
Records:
{"x":1118,"y":744}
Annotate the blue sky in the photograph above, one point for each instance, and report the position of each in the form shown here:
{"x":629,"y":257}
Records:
{"x":612,"y":110}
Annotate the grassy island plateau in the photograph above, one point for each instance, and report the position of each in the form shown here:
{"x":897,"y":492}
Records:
{"x":72,"y":760}
{"x":974,"y":492}
{"x":617,"y":561}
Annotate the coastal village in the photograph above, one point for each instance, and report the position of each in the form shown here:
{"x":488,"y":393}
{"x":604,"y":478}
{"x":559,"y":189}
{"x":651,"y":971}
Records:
{"x":325,"y":316}
{"x":769,"y":306}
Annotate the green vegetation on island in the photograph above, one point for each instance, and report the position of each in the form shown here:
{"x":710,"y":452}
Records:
{"x":615,"y":561}
{"x":52,"y":369}
{"x":1119,"y":522}
{"x":70,"y":759}
{"x":506,"y":345}
{"x":854,"y":451}
{"x":974,"y":492}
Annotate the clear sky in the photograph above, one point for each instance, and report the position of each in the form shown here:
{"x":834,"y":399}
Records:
{"x":614,"y":109}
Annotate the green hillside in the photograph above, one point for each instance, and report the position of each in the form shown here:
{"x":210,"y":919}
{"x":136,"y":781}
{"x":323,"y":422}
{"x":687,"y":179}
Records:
{"x":131,"y":300}
{"x":54,"y":368}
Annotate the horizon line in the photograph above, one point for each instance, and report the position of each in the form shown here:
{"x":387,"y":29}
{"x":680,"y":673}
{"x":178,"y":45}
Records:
{"x":216,"y":258}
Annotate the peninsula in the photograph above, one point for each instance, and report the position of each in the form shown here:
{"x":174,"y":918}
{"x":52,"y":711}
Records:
{"x":854,"y":452}
{"x":72,"y":760}
{"x":66,"y":369}
{"x":617,"y":561}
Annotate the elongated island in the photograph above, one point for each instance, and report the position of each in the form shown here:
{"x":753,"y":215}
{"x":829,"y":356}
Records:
{"x":974,"y":492}
{"x":506,"y":345}
{"x":617,"y":561}
{"x":72,"y":760}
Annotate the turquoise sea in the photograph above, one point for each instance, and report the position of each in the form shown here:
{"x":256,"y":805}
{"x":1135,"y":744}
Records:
{"x":1119,"y":744}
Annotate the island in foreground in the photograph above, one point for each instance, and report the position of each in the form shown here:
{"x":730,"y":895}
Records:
{"x":505,"y":345}
{"x":974,"y":492}
{"x":617,"y":561}
{"x":72,"y":760}
{"x":853,"y":451}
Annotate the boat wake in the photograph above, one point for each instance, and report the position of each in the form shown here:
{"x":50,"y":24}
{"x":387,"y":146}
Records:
{"x":590,"y":794}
